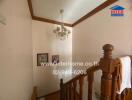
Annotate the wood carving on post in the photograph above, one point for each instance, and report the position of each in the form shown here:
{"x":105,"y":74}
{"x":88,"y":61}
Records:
{"x":107,"y":67}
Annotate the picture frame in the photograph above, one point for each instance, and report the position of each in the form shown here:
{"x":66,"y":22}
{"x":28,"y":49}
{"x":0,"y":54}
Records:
{"x":55,"y":59}
{"x":42,"y":58}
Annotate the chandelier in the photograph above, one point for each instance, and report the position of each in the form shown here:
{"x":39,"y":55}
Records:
{"x":61,"y":31}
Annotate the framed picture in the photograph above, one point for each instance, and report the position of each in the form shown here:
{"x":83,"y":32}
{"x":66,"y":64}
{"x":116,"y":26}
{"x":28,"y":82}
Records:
{"x":42,"y":58}
{"x":55,"y":59}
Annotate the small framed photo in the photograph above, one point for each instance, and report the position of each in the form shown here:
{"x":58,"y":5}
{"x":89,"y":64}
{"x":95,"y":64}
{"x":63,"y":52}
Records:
{"x":42,"y":58}
{"x":55,"y":59}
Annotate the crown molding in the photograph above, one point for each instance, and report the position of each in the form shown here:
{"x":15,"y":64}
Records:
{"x":96,"y":10}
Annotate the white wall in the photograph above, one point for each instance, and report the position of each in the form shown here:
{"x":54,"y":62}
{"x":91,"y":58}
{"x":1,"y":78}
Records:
{"x":45,"y":41}
{"x":15,"y":51}
{"x":90,"y":35}
{"x":16,"y":46}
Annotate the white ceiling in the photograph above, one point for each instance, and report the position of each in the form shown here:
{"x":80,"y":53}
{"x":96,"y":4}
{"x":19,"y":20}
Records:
{"x":74,"y":9}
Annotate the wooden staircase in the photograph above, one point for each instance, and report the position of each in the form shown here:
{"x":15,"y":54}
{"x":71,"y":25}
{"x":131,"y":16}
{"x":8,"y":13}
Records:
{"x":110,"y":73}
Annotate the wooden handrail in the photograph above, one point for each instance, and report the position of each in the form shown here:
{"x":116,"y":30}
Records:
{"x":91,"y":69}
{"x":68,"y":90}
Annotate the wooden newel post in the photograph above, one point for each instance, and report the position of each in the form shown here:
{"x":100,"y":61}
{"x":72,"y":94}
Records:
{"x":61,"y":90}
{"x":106,"y":65}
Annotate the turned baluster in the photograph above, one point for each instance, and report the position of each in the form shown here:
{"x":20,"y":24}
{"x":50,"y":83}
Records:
{"x":90,"y":84}
{"x":62,"y":95}
{"x":81,"y":88}
{"x":74,"y":89}
{"x":70,"y":91}
{"x":66,"y":91}
{"x":106,"y":65}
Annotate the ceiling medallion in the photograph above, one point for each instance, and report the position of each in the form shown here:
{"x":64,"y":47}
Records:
{"x":61,"y":31}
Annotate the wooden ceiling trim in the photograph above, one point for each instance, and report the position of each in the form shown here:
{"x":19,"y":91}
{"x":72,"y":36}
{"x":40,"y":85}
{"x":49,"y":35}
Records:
{"x":50,"y":21}
{"x":97,"y":9}
{"x":30,"y":7}
{"x":44,"y":19}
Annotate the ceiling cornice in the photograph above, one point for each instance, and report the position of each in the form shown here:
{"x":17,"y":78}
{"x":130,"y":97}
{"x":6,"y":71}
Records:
{"x":50,"y":21}
{"x":97,"y":9}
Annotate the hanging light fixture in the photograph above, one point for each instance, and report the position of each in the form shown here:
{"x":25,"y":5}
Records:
{"x":61,"y":31}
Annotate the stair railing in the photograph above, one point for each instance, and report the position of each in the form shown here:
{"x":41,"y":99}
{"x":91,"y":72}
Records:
{"x":69,"y":91}
{"x":110,"y":72}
